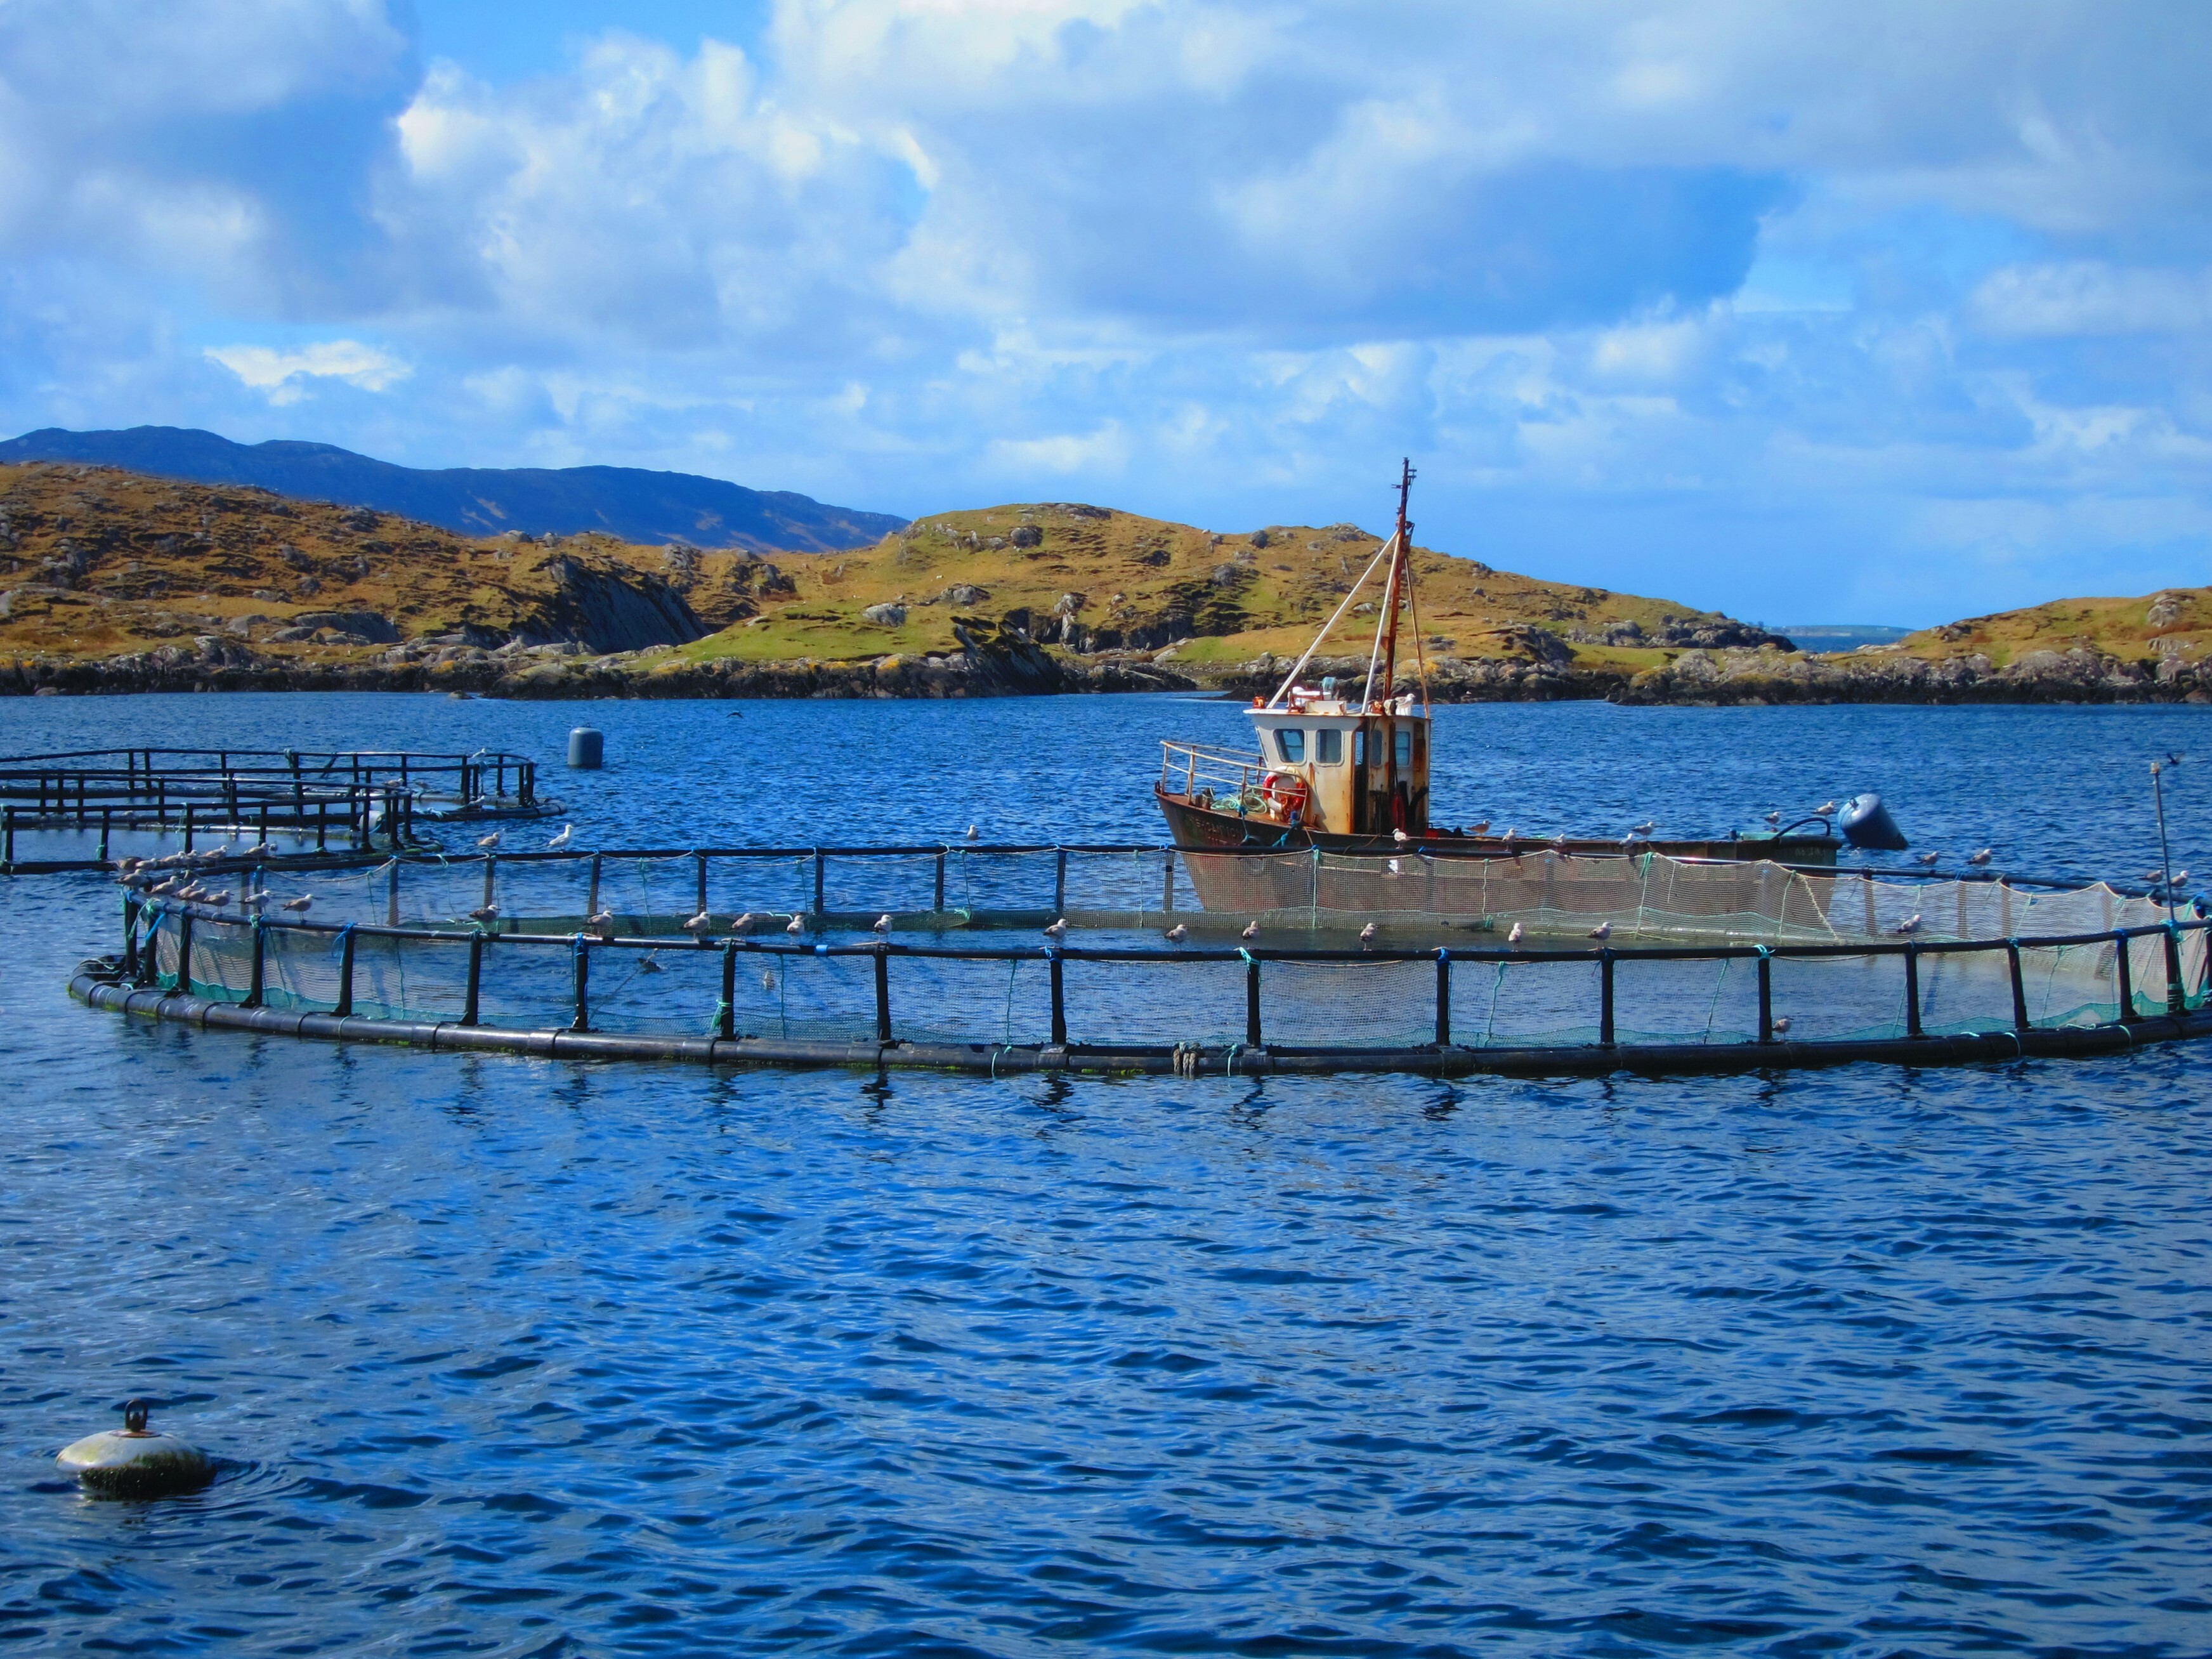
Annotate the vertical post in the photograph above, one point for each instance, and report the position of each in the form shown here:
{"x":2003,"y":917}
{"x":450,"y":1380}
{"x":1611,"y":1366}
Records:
{"x":263,"y":836}
{"x":106,"y":825}
{"x":188,"y":826}
{"x":2124,"y":971}
{"x":526,"y":782}
{"x":592,"y":904}
{"x":392,"y":892}
{"x":818,"y":863}
{"x":2177,"y":1000}
{"x":161,"y":797}
{"x":1766,"y":998}
{"x":1912,"y":991}
{"x":185,"y":953}
{"x":1251,"y":1000}
{"x":471,"y":1003}
{"x":2019,"y":985}
{"x":725,"y":1021}
{"x":583,"y":1020}
{"x":1059,"y":977}
{"x":701,"y":859}
{"x":882,"y":992}
{"x":132,"y":904}
{"x":344,"y":1009}
{"x":322,"y":825}
{"x":1060,"y":881}
{"x":259,"y":970}
{"x":1444,"y":998}
{"x":8,"y":836}
{"x":1167,"y":881}
{"x":937,"y":904}
{"x":1605,"y":997}
{"x":491,"y":865}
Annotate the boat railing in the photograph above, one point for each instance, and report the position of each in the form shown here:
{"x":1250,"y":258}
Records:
{"x":1190,"y":769}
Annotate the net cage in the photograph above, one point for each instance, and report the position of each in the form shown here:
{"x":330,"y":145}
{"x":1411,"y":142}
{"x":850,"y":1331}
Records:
{"x":937,"y":949}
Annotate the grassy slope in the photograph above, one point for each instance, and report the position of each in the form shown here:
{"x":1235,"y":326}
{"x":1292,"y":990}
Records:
{"x":2174,"y":620}
{"x":1146,"y":575}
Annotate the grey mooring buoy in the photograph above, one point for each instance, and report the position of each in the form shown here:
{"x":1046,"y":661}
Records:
{"x":136,"y":1462}
{"x":587,"y":749}
{"x":1866,"y":823}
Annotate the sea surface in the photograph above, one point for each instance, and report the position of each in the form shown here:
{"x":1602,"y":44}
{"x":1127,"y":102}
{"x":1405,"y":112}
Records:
{"x":508,"y":1357}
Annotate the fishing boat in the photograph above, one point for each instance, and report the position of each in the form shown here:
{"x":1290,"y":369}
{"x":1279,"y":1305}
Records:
{"x":1344,"y":771}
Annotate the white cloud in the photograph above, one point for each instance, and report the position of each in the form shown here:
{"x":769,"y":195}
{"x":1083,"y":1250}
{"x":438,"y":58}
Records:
{"x":2087,"y":296}
{"x":280,"y":373}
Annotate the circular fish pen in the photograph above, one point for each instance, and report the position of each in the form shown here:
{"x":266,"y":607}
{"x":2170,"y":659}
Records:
{"x":1102,"y":959}
{"x":82,"y":809}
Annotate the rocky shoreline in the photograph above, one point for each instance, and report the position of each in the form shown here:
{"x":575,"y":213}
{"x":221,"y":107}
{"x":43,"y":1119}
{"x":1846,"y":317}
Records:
{"x":1007,"y":663}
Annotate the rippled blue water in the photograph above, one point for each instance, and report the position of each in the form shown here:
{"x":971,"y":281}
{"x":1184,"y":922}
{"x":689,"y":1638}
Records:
{"x":534,"y":1358}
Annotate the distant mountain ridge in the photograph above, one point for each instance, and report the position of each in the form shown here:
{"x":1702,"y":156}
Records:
{"x":639,"y":507}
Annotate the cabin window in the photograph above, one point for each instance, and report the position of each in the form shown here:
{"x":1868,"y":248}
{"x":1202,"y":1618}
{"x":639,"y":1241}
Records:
{"x":1359,"y":748}
{"x":1290,"y":744}
{"x":1405,"y":747}
{"x":1328,"y":747}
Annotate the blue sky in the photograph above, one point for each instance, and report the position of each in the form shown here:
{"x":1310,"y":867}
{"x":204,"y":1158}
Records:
{"x":1872,"y":313}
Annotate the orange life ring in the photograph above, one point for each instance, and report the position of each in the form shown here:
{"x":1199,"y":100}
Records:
{"x":1284,"y":793}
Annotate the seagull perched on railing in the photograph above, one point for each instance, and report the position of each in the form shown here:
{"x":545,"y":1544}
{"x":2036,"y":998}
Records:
{"x":1910,"y":925}
{"x":1643,"y":829}
{"x":1251,"y":929}
{"x":222,"y":897}
{"x":798,"y":925}
{"x":603,"y":922}
{"x":300,"y":903}
{"x":1400,"y":837}
{"x":1603,"y":931}
{"x":884,"y":923}
{"x":742,"y":923}
{"x":1178,"y":933}
{"x":489,"y":841}
{"x":1514,"y":938}
{"x":699,"y":924}
{"x":1482,"y":829}
{"x":559,"y":840}
{"x":1367,"y":937}
{"x":260,"y":897}
{"x":1826,"y":810}
{"x":1782,"y":1026}
{"x":484,"y":913}
{"x":1926,"y":858}
{"x":1774,"y":819}
{"x":1053,"y":930}
{"x":1982,"y":856}
{"x":973,"y":833}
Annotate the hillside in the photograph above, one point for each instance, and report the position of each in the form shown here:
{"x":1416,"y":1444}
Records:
{"x":2173,"y":622}
{"x":628,"y":503}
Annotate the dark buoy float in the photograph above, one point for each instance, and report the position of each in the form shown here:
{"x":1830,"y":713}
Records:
{"x":1866,"y":823}
{"x":587,"y":749}
{"x":138,"y":1462}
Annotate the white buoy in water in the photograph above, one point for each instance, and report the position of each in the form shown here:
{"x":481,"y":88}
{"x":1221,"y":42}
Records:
{"x":138,"y":1462}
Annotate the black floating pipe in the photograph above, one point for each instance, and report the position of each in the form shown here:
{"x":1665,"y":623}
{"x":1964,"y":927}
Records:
{"x":258,"y":981}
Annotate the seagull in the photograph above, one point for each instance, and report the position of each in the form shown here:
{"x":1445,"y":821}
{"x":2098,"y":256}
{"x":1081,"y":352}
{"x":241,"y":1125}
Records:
{"x":1514,"y":938}
{"x":1826,"y":811}
{"x":561,"y":839}
{"x":884,"y":922}
{"x":647,"y":964}
{"x":1774,"y":818}
{"x":1981,"y":857}
{"x":489,"y":841}
{"x":260,"y":897}
{"x":973,"y":832}
{"x":1910,"y":925}
{"x":1367,"y":937}
{"x":603,"y":921}
{"x":702,"y":923}
{"x":1559,"y":840}
{"x":798,"y":925}
{"x":484,"y":913}
{"x":1400,"y":837}
{"x":742,"y":923}
{"x":1926,"y":858}
{"x":1603,"y":931}
{"x":1481,"y":829}
{"x":1643,"y":829}
{"x":219,"y":899}
{"x":767,"y":979}
{"x":1251,"y":929}
{"x":1053,"y":930}
{"x":1510,"y":832}
{"x":1782,"y":1026}
{"x":300,"y":903}
{"x":1178,"y":933}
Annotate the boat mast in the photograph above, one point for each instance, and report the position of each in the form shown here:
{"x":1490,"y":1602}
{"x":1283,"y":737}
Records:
{"x":1394,"y":595}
